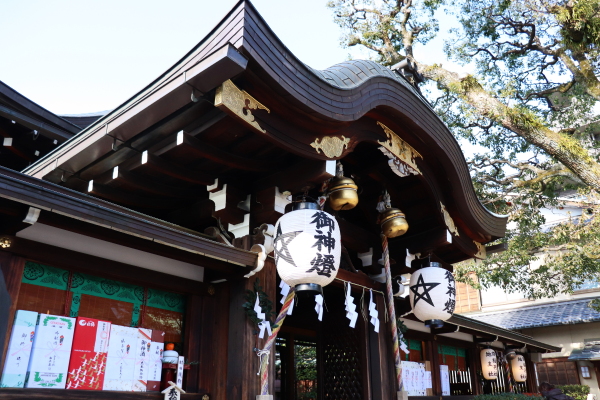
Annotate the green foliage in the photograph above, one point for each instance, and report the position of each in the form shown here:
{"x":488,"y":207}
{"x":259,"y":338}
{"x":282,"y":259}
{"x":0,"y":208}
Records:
{"x":508,"y":396}
{"x":535,"y":73}
{"x":266,"y":305}
{"x":578,"y":392}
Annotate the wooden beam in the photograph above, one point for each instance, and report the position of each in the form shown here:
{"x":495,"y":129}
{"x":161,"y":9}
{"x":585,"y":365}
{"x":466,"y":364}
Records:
{"x":117,"y":177}
{"x":182,"y":140}
{"x":128,"y":199}
{"x":293,"y":179}
{"x":45,"y":394}
{"x":123,"y":239}
{"x":151,"y":162}
{"x":80,"y":262}
{"x":356,"y":238}
{"x":424,"y":242}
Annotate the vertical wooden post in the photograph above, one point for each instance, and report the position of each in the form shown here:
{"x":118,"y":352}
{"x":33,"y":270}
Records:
{"x":475,"y":361}
{"x":193,"y":340}
{"x":383,"y":377}
{"x":242,"y":363}
{"x":12,"y":268}
{"x":435,"y":369}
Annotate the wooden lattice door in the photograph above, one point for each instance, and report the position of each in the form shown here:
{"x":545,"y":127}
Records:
{"x":342,"y":352}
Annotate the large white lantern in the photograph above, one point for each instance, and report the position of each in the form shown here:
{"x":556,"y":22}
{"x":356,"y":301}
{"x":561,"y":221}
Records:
{"x":519,"y":368}
{"x":489,"y":364}
{"x":432,"y":295}
{"x":307,"y":247}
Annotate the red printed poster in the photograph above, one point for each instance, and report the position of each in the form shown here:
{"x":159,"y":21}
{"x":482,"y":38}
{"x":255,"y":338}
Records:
{"x":88,"y":356}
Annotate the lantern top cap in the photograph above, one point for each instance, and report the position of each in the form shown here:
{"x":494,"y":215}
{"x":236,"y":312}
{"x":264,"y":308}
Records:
{"x":305,"y":205}
{"x":434,"y":264}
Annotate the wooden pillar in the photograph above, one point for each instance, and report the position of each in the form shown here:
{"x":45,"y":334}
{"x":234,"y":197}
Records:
{"x":531,"y":375}
{"x":242,"y":363}
{"x":475,"y":361}
{"x":381,"y":354}
{"x":436,"y":378}
{"x":12,"y":269}
{"x":193,"y":340}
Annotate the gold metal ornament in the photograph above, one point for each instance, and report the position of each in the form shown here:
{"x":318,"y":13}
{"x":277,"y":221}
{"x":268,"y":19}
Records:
{"x":343,"y":193}
{"x":5,"y":242}
{"x":393,"y":223}
{"x":448,"y":220}
{"x":238,"y":103}
{"x":332,"y":146}
{"x":392,"y":220}
{"x":401,"y":154}
{"x":481,"y":252}
{"x":211,"y":290}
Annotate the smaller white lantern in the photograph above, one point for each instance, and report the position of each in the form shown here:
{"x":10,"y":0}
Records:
{"x":489,"y":364}
{"x":307,"y":247}
{"x":519,"y":368}
{"x":432,"y":295}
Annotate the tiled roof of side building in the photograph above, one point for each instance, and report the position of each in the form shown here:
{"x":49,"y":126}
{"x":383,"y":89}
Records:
{"x":563,"y":313}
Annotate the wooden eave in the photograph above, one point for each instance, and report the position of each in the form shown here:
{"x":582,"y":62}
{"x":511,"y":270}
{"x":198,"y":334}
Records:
{"x":102,"y":216}
{"x":346,"y":100}
{"x":18,"y":107}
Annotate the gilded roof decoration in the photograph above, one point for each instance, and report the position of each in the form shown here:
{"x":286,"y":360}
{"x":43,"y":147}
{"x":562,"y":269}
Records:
{"x":332,"y":146}
{"x":481,"y":252}
{"x":448,"y":220}
{"x":234,"y":100}
{"x":399,"y":152}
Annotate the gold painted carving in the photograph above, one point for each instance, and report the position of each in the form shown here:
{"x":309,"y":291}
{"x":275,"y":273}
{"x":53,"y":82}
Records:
{"x":448,"y":220}
{"x":402,"y":152}
{"x":481,"y":252}
{"x":332,"y":146}
{"x":239,"y":103}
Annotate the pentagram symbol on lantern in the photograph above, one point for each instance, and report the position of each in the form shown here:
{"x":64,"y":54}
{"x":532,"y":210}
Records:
{"x":281,"y":244}
{"x":427,"y":287}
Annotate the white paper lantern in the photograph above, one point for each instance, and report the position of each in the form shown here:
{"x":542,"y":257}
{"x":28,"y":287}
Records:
{"x":519,"y":368}
{"x":489,"y":364}
{"x":307,"y":247}
{"x":432,"y":295}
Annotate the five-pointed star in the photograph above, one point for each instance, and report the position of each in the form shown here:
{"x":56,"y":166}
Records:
{"x":280,"y":245}
{"x":427,"y":287}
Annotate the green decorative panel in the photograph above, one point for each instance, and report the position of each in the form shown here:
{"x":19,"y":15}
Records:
{"x":461,"y":352}
{"x":43,"y":275}
{"x":449,"y":350}
{"x":414,"y":345}
{"x":165,"y":300}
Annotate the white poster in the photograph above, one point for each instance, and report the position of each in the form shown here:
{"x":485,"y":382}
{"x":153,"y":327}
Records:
{"x":414,"y":378}
{"x":445,"y":376}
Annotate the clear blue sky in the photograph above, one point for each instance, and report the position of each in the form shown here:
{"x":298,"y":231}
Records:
{"x":85,"y":56}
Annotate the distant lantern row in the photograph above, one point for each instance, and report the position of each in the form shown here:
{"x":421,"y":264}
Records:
{"x":489,"y":365}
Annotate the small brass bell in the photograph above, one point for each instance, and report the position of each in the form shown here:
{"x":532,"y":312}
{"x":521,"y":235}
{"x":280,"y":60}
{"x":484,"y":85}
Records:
{"x":393,"y":223}
{"x":343,"y":193}
{"x":392,"y":220}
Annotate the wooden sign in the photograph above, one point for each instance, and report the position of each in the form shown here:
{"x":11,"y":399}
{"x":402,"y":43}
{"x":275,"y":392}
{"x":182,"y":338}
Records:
{"x":179,"y":380}
{"x":173,"y":391}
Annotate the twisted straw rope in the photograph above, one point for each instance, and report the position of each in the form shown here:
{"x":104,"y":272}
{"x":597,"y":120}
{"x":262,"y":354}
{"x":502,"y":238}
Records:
{"x":264,"y":370}
{"x":392,"y":311}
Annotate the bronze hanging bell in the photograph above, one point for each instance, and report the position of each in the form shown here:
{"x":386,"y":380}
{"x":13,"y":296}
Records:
{"x":393,"y":223}
{"x":392,"y":220}
{"x":343,"y":194}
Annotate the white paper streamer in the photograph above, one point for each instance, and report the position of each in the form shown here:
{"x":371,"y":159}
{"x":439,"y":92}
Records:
{"x":403,"y":345}
{"x":285,"y":290}
{"x":373,"y":313}
{"x":261,"y":315}
{"x":319,"y":306}
{"x":351,"y":313}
